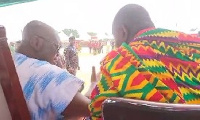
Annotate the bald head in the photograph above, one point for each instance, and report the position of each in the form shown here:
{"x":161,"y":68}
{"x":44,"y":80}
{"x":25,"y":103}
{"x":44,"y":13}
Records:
{"x":38,"y":28}
{"x":39,"y":41}
{"x":130,"y":19}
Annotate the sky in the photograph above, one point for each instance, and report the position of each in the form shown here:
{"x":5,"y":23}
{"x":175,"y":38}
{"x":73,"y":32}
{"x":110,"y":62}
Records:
{"x":96,"y":15}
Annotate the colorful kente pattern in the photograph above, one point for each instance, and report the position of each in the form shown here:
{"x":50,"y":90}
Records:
{"x":158,"y":65}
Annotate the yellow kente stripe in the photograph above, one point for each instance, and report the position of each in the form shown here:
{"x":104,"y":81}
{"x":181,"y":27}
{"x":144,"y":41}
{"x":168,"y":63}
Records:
{"x":195,"y":101}
{"x":133,"y":95}
{"x":150,"y":94}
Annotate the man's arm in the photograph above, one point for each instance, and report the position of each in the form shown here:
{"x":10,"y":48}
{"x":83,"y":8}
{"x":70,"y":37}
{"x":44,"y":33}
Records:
{"x":97,"y":99}
{"x":78,"y":107}
{"x":94,"y":80}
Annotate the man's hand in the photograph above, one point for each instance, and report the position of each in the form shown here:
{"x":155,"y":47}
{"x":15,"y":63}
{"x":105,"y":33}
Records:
{"x":93,"y":75}
{"x":94,"y":79}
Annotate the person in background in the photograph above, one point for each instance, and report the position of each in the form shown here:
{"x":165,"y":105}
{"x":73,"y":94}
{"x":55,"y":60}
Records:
{"x":71,"y":57}
{"x":198,"y":34}
{"x":12,"y":47}
{"x":90,"y":46}
{"x":17,"y":44}
{"x":59,"y":61}
{"x":100,"y":46}
{"x":112,"y":43}
{"x":50,"y":92}
{"x":149,"y":63}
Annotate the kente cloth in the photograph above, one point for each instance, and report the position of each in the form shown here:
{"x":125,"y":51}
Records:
{"x":157,"y":65}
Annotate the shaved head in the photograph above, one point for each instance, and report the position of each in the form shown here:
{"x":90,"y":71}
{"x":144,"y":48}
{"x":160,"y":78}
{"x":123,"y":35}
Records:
{"x":38,"y":28}
{"x":130,"y":19}
{"x":39,"y":41}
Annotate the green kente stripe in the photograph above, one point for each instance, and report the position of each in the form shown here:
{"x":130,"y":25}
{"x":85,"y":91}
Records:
{"x":170,"y":52}
{"x":197,"y":48}
{"x":171,"y":100}
{"x":155,"y":81}
{"x":155,"y":47}
{"x":128,"y":73}
{"x":162,"y":88}
{"x":146,"y":90}
{"x":190,"y":82}
{"x":196,"y":81}
{"x":162,"y":49}
{"x":190,"y":96}
{"x":154,"y":31}
{"x":112,"y":62}
{"x":196,"y":56}
{"x":96,"y":114}
{"x":133,"y":91}
{"x":178,"y":79}
{"x":104,"y":83}
{"x":131,"y":50}
{"x":156,"y":69}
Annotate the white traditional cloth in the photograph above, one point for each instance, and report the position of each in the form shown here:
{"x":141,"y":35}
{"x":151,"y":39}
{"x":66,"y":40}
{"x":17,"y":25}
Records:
{"x":47,"y":89}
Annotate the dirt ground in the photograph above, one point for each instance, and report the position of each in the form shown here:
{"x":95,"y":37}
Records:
{"x":86,"y":61}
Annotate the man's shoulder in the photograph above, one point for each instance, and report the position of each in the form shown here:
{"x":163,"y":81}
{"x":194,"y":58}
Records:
{"x":124,"y":51}
{"x":24,"y":63}
{"x":166,"y":34}
{"x":109,"y":57}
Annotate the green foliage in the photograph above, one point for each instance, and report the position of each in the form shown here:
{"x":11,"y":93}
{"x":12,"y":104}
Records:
{"x":92,"y":34}
{"x":70,"y":32}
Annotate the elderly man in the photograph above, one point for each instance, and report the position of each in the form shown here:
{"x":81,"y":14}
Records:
{"x":51,"y":93}
{"x":149,"y":64}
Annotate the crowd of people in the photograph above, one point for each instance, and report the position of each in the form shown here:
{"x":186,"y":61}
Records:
{"x":148,"y":63}
{"x":97,"y":46}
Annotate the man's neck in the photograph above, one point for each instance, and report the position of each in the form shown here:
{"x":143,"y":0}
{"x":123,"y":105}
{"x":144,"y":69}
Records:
{"x":27,"y":52}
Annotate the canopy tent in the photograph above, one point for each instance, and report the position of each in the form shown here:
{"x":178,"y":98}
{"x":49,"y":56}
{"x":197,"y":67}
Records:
{"x":4,"y":3}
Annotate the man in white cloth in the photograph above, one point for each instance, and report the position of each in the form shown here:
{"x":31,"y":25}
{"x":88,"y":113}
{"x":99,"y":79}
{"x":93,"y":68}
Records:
{"x":51,"y":93}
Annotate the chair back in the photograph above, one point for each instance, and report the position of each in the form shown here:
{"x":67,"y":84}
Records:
{"x":131,"y":109}
{"x":4,"y":111}
{"x":10,"y":90}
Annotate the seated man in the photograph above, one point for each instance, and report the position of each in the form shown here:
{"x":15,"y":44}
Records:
{"x":50,"y":92}
{"x":149,"y":63}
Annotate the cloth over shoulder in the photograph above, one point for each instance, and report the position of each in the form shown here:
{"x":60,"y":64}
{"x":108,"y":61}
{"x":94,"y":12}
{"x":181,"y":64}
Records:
{"x":47,"y":89}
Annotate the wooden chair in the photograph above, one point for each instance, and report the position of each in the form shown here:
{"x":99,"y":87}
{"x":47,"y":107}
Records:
{"x":130,"y":109}
{"x":12,"y":102}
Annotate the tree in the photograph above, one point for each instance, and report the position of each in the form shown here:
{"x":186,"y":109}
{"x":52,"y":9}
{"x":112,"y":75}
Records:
{"x":193,"y":29}
{"x":92,"y":34}
{"x":70,"y":32}
{"x":75,"y":33}
{"x":67,"y":32}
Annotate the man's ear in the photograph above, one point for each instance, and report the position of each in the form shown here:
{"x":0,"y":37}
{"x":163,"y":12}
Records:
{"x":36,"y":43}
{"x":124,"y":33}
